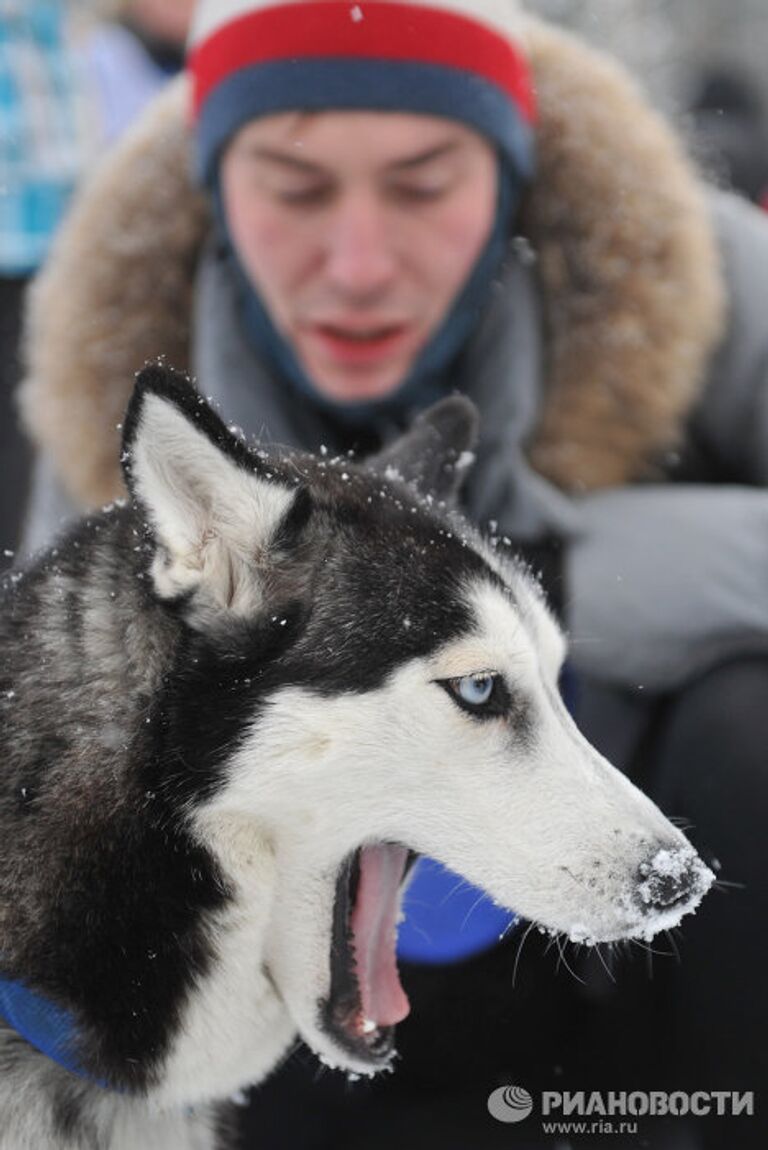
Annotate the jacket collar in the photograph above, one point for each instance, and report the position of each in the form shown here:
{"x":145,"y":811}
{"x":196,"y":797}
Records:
{"x":627,"y":264}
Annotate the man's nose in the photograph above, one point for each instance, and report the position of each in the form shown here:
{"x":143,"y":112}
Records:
{"x":361,"y":254}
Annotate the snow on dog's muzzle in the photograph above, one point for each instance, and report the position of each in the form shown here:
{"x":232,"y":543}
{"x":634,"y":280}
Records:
{"x":667,"y":884}
{"x":671,"y":882}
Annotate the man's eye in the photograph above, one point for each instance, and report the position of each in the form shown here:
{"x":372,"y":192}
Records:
{"x":484,"y":695}
{"x":303,"y":196}
{"x":416,"y":193}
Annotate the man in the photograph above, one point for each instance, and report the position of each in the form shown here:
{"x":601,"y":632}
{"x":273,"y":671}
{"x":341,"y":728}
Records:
{"x":365,"y":170}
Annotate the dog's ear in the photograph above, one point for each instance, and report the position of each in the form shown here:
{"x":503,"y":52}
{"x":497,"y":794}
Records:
{"x":216,"y":510}
{"x":436,"y":452}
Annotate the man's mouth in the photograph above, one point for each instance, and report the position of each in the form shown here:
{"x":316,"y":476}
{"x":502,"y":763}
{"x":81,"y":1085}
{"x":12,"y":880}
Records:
{"x":359,"y":346}
{"x":366,"y":999}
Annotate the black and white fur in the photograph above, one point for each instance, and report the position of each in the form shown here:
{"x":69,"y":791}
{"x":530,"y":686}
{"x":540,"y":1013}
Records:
{"x":210,"y":697}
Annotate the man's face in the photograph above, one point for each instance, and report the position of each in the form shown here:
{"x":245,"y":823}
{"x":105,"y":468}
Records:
{"x":357,"y":230}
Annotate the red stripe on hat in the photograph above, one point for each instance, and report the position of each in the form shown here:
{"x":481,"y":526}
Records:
{"x":368,"y":30}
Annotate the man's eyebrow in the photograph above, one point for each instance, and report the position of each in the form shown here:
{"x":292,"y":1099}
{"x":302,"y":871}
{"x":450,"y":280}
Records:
{"x":296,"y":163}
{"x":275,"y":156}
{"x":435,"y":153}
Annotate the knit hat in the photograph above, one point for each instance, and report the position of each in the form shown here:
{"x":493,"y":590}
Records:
{"x":456,"y":59}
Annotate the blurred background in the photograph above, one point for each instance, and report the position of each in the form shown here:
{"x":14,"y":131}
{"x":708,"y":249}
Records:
{"x":703,"y":64}
{"x":74,"y":75}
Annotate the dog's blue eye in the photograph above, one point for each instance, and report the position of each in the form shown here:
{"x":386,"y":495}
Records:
{"x":484,"y":695}
{"x":475,"y":689}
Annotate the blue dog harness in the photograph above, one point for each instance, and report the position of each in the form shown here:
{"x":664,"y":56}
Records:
{"x":49,"y":1028}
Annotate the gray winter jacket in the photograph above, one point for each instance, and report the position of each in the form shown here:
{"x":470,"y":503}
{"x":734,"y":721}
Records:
{"x":621,"y":368}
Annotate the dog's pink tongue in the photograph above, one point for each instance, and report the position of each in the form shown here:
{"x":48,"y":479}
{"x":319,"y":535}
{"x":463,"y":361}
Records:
{"x":374,"y":933}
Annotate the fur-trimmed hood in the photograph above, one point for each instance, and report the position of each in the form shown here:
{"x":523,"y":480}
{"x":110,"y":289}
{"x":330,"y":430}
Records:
{"x":627,"y":262}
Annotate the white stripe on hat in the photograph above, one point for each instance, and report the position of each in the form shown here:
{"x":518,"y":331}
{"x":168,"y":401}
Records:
{"x":504,"y":16}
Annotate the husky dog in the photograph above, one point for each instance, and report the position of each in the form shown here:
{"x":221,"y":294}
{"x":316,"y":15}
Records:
{"x":233,"y":710}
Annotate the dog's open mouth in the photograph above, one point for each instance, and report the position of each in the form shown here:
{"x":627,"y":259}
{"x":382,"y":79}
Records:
{"x":366,"y":999}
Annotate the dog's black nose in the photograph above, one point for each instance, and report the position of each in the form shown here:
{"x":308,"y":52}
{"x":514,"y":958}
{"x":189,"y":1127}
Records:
{"x":669,"y":878}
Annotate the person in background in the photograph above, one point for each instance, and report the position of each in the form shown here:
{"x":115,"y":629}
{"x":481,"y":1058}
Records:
{"x":390,"y":201}
{"x":730,"y":129}
{"x":71,"y":84}
{"x":131,"y":57}
{"x":46,"y":142}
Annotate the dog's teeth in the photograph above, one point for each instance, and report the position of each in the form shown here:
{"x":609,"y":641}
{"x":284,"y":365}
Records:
{"x":368,"y":1026}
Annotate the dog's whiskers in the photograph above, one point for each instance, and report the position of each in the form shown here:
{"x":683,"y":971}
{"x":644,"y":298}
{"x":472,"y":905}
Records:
{"x":460,"y":885}
{"x":475,"y":904}
{"x":520,"y":951}
{"x":596,"y":949}
{"x":673,"y":944}
{"x":562,"y":941}
{"x":680,"y":821}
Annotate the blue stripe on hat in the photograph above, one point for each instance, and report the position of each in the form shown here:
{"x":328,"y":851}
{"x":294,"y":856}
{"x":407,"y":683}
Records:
{"x":372,"y":85}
